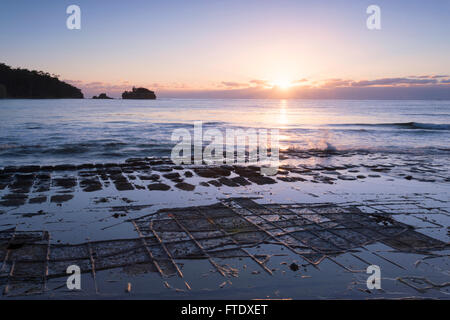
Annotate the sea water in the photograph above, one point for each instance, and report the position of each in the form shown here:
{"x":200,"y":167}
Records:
{"x":92,"y":131}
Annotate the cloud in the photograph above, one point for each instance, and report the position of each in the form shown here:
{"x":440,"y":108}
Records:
{"x":393,"y":82}
{"x":332,"y":83}
{"x":440,"y":76}
{"x":231,"y":84}
{"x":259,"y":82}
{"x":431,"y":76}
{"x":300,"y":81}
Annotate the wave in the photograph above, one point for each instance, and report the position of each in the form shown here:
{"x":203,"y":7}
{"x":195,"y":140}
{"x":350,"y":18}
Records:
{"x":401,"y":125}
{"x":327,"y":147}
{"x":7,"y":146}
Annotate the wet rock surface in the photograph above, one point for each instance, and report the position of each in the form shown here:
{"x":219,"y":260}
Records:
{"x":393,"y":212}
{"x":272,"y":238}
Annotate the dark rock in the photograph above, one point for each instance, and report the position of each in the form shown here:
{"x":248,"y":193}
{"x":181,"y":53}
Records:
{"x":111,"y":165}
{"x":172,"y":176}
{"x":43,"y":176}
{"x":30,"y":215}
{"x":85,"y":174}
{"x":115,"y":173}
{"x":86,"y":166}
{"x":101,"y":96}
{"x":22,"y":183}
{"x":13,"y":200}
{"x":47,"y":168}
{"x":28,"y":169}
{"x":248,"y":172}
{"x":185,"y":186}
{"x":162,"y":168}
{"x":294,"y":267}
{"x":59,"y":198}
{"x":15,"y":244}
{"x":118,"y":215}
{"x":43,"y":183}
{"x":212,"y":172}
{"x":121,"y":183}
{"x":66,"y":183}
{"x":64,"y":167}
{"x":380,"y":169}
{"x":9,"y":169}
{"x":158,"y":186}
{"x":153,"y":177}
{"x":214,"y":183}
{"x":228,"y":182}
{"x":188,"y":174}
{"x":156,"y":162}
{"x":346,"y":177}
{"x":262,"y":180}
{"x":38,"y":200}
{"x":123,"y":186}
{"x":291,"y":179}
{"x":241,"y":181}
{"x":91,"y":185}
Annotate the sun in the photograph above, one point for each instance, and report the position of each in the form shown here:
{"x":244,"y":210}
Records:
{"x":282,"y":84}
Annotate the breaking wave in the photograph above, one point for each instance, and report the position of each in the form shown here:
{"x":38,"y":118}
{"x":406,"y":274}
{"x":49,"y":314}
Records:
{"x":401,"y":125}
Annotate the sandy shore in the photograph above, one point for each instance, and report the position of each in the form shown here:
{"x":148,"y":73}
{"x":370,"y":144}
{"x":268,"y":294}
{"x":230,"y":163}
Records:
{"x":225,"y":231}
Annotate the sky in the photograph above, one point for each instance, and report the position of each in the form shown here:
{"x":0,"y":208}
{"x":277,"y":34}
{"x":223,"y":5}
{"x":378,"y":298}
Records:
{"x":235,"y":48}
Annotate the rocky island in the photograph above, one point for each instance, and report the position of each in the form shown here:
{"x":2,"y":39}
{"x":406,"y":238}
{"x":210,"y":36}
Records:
{"x":25,"y":84}
{"x":102,"y":96}
{"x":139,"y":93}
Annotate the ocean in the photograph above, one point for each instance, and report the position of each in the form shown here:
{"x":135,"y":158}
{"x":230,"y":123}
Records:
{"x":83,"y":131}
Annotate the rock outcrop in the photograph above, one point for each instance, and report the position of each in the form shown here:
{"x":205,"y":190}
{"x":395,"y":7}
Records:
{"x":101,"y":96}
{"x":139,"y":93}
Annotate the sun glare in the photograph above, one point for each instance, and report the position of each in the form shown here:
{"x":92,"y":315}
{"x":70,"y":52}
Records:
{"x":282,"y":84}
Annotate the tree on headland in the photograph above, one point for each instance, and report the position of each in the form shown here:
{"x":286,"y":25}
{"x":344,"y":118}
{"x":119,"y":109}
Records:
{"x":2,"y":91}
{"x":23,"y":83}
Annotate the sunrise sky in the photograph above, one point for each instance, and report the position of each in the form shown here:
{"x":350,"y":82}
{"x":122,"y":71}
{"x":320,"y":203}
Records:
{"x":235,"y":49}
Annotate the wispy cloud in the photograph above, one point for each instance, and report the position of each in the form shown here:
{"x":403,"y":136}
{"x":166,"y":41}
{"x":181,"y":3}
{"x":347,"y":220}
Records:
{"x":431,"y":76}
{"x":333,"y":83}
{"x":259,"y":83}
{"x":393,"y":82}
{"x":232,"y":84}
